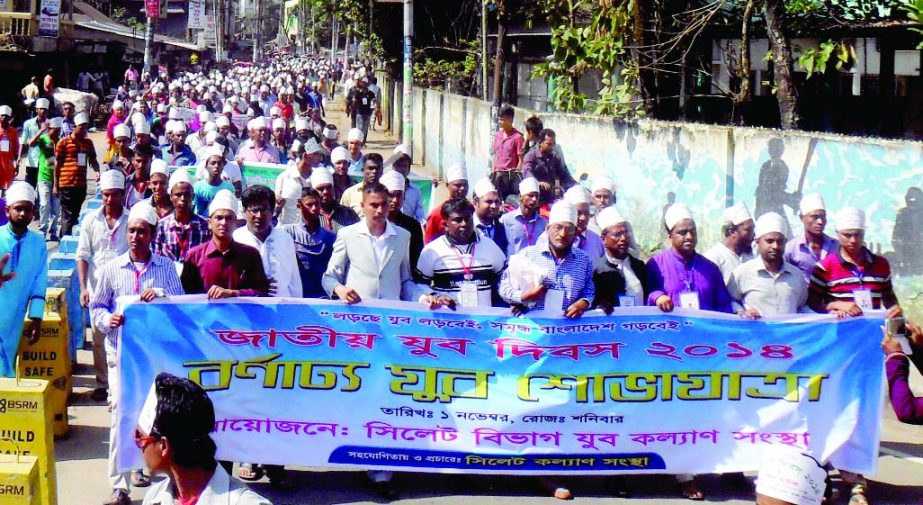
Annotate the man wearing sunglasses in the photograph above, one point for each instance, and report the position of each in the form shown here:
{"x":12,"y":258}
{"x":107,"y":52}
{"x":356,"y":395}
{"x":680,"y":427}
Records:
{"x":173,"y":436}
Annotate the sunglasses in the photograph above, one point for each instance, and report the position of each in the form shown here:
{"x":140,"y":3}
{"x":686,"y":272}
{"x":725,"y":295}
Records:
{"x":142,"y":441}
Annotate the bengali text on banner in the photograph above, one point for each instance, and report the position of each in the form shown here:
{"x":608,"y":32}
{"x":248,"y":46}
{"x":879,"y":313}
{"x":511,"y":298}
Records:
{"x":392,"y":385}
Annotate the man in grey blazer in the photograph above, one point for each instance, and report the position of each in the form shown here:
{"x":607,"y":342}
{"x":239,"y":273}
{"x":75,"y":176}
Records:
{"x":371,"y":259}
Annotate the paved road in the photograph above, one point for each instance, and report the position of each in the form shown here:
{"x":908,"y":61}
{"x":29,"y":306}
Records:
{"x":81,"y":460}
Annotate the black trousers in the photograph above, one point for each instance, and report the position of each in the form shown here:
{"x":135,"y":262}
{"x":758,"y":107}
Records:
{"x":507,"y":183}
{"x":71,"y":201}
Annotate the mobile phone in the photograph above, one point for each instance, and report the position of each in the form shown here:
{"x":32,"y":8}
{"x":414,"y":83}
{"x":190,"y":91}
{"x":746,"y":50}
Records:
{"x":897,"y":327}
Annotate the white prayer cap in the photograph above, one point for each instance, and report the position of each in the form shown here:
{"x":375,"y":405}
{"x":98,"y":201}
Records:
{"x":736,"y":214}
{"x":159,"y":166}
{"x":278,"y":123}
{"x":400,"y":151}
{"x":484,"y":186}
{"x":354,"y":135}
{"x":215,"y":150}
{"x":330,"y":133}
{"x":5,"y":110}
{"x":456,"y":172}
{"x":850,"y":218}
{"x":274,"y":111}
{"x":563,"y":212}
{"x":312,"y":147}
{"x":264,"y":88}
{"x":393,"y":180}
{"x":112,"y":179}
{"x":79,"y":119}
{"x":256,"y":123}
{"x":222,"y":121}
{"x":173,"y":114}
{"x":121,"y":130}
{"x":210,"y":127}
{"x":676,"y":213}
{"x":116,"y":105}
{"x":181,"y":175}
{"x":56,"y":122}
{"x":576,"y":195}
{"x":811,"y":202}
{"x":142,"y":128}
{"x":771,"y":222}
{"x":610,"y":216}
{"x":338,"y":154}
{"x":201,"y":108}
{"x":178,"y":127}
{"x":301,"y":124}
{"x":224,"y":200}
{"x":602,"y":182}
{"x":320,"y":176}
{"x":205,"y":116}
{"x":528,"y":185}
{"x":210,"y":137}
{"x":791,"y":476}
{"x":41,"y":103}
{"x":227,"y":108}
{"x":144,"y":212}
{"x":20,"y":191}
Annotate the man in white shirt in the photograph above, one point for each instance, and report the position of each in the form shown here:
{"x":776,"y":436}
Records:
{"x":295,"y":178}
{"x":768,"y":285}
{"x":737,"y":246}
{"x":277,"y":249}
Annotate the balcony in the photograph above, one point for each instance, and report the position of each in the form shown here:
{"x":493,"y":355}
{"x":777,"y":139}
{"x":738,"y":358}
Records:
{"x":24,"y":24}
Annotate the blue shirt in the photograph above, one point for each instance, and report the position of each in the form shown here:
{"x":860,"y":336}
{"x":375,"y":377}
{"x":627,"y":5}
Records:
{"x":522,"y":233}
{"x":26,"y":290}
{"x":573,"y":275}
{"x":315,"y":99}
{"x":204,"y":193}
{"x":184,"y":158}
{"x":313,"y":252}
{"x":799,"y":253}
{"x":29,"y":129}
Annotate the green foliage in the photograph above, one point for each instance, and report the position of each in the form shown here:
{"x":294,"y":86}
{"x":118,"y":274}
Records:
{"x":914,"y":11}
{"x":436,"y":72}
{"x":815,"y":60}
{"x":120,"y":15}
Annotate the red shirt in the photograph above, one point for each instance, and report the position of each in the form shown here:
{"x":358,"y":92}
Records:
{"x":835,"y":279}
{"x":240,"y":268}
{"x":8,"y":157}
{"x":506,"y":149}
{"x":435,"y":226}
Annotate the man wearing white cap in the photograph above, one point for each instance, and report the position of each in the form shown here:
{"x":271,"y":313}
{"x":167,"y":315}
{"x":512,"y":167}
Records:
{"x":206,"y":189}
{"x":177,"y":153}
{"x":9,"y":147}
{"x":330,"y":135}
{"x":295,"y":178}
{"x":768,"y":285}
{"x":457,"y":184}
{"x":395,"y":183}
{"x":32,"y":129}
{"x":23,"y":275}
{"x":183,"y":229}
{"x":807,"y":249}
{"x":737,"y":246}
{"x":461,"y":267}
{"x":72,"y":156}
{"x":524,"y":224}
{"x":487,"y":211}
{"x":619,"y":277}
{"x":160,"y":194}
{"x":119,"y":155}
{"x":135,"y":272}
{"x":333,"y":216}
{"x":119,"y":115}
{"x":102,"y":239}
{"x":49,"y":205}
{"x":257,"y":149}
{"x":371,"y":172}
{"x":586,"y":239}
{"x":603,"y":191}
{"x":853,"y":280}
{"x":400,"y":160}
{"x":354,"y":142}
{"x":276,"y":248}
{"x":223,"y":267}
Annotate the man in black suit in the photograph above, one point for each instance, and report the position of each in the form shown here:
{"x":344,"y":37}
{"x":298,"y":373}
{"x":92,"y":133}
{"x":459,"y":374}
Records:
{"x":488,"y":207}
{"x":620,"y":278}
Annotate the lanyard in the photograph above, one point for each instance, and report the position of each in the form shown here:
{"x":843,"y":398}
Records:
{"x":138,"y":274}
{"x":259,"y":155}
{"x":858,"y":273}
{"x":183,"y":244}
{"x":529,"y":231}
{"x":465,"y":268}
{"x":113,"y":231}
{"x":689,"y":277}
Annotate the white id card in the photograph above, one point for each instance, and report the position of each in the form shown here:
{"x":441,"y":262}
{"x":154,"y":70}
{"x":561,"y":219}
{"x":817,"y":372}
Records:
{"x":161,"y":140}
{"x":554,"y":301}
{"x":627,"y":301}
{"x":365,"y":101}
{"x":689,"y":300}
{"x":5,"y":145}
{"x":82,"y":159}
{"x":468,"y":294}
{"x":863,"y":298}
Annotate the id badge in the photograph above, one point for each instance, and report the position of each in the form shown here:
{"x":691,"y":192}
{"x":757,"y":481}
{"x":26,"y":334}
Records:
{"x":689,"y":300}
{"x":365,"y":101}
{"x":627,"y":301}
{"x":4,"y":146}
{"x":468,"y":294}
{"x":82,"y":159}
{"x":161,"y":140}
{"x":554,"y":300}
{"x":863,"y":298}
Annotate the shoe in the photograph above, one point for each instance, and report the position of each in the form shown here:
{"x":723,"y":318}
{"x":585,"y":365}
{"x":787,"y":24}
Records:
{"x":99,"y":395}
{"x":138,"y":479}
{"x":118,"y":497}
{"x":385,"y":490}
{"x":857,"y":495}
{"x":250,"y":472}
{"x":690,"y":491}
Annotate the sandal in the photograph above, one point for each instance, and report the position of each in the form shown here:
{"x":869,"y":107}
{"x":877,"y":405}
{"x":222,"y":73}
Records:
{"x":250,"y":472}
{"x":138,"y":479}
{"x":857,"y":495}
{"x":690,"y":491}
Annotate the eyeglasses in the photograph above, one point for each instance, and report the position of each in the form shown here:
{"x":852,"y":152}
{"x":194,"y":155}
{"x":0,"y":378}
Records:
{"x":258,"y":210}
{"x":142,"y":441}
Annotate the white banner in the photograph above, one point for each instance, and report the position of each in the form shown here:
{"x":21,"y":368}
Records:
{"x":49,"y":18}
{"x":196,"y":16}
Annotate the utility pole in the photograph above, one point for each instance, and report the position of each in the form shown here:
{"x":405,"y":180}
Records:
{"x":334,"y":39}
{"x":148,"y":45}
{"x":257,"y":27}
{"x":407,"y":133}
{"x":219,"y":30}
{"x":484,"y":50}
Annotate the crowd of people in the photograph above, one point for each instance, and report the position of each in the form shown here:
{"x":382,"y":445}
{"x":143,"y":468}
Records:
{"x":178,"y":217}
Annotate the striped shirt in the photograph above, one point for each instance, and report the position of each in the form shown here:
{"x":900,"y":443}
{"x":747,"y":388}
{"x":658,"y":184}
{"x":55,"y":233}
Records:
{"x":69,"y":150}
{"x":173,"y":240}
{"x":443,"y":266}
{"x":120,"y":277}
{"x":835,"y":279}
{"x":573,"y":275}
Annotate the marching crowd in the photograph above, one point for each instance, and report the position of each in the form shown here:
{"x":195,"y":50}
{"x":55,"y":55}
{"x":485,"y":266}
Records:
{"x":177,"y":217}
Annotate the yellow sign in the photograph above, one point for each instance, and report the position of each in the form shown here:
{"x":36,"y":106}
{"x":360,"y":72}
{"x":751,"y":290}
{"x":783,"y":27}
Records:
{"x":26,"y":429}
{"x":49,"y":358}
{"x":19,"y":482}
